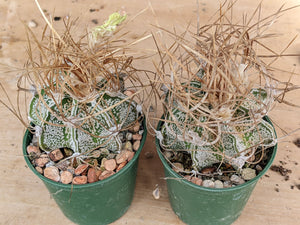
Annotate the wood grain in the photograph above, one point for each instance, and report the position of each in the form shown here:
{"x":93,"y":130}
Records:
{"x":25,"y":200}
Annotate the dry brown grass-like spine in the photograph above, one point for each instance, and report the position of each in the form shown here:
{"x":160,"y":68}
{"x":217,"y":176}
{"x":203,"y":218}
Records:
{"x":60,"y":65}
{"x":223,"y":50}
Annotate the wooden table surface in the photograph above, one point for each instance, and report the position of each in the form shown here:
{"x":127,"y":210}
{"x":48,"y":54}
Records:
{"x":23,"y":197}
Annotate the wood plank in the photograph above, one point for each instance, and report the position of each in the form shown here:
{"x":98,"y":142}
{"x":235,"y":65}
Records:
{"x":25,"y":200}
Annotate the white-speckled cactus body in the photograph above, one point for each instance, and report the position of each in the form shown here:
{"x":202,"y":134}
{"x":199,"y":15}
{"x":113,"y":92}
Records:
{"x":83,"y":126}
{"x":209,"y":144}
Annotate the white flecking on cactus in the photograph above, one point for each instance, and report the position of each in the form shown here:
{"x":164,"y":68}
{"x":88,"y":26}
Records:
{"x":233,"y":142}
{"x":77,"y":130}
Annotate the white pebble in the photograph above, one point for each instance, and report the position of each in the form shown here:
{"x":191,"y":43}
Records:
{"x":208,"y":183}
{"x":219,"y":184}
{"x":32,"y":24}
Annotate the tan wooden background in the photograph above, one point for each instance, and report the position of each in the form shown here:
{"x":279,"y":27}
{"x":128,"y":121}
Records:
{"x":23,"y":197}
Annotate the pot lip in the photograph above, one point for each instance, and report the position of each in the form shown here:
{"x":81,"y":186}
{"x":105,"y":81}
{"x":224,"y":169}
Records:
{"x":78,"y":186}
{"x":216,"y":190}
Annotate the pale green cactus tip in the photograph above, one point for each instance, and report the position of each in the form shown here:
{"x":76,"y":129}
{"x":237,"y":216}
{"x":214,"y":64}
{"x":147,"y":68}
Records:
{"x":109,"y":26}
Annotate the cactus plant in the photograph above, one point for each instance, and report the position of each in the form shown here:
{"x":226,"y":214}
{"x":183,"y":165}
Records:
{"x":78,"y":133}
{"x":215,"y":92}
{"x":234,"y":139}
{"x":79,"y":103}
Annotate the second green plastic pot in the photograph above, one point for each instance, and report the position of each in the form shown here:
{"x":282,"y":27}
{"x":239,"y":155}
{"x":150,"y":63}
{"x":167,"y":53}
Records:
{"x":197,"y":205}
{"x":96,"y":203}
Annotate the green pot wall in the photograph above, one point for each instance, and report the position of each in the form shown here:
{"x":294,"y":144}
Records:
{"x":96,"y":203}
{"x":197,"y":205}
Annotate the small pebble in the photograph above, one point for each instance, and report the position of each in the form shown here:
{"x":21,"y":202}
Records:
{"x":136,"y":127}
{"x":39,"y":169}
{"x":156,"y":193}
{"x":52,"y":173}
{"x":56,"y":155}
{"x":208,"y":170}
{"x":80,"y":180}
{"x":227,"y":184}
{"x":92,"y":176}
{"x":95,"y":21}
{"x":129,"y":136}
{"x":248,"y":173}
{"x":33,"y":149}
{"x":105,"y":174}
{"x":258,"y":168}
{"x":71,"y":169}
{"x":110,"y":164}
{"x":63,"y":165}
{"x":121,"y":157}
{"x":219,"y":184}
{"x":128,"y":146}
{"x":66,"y":177}
{"x":50,"y":163}
{"x":121,"y":166}
{"x":177,"y":167}
{"x":68,"y":152}
{"x":102,"y":163}
{"x":208,"y":183}
{"x":98,"y":173}
{"x":130,"y":155}
{"x":236,"y":179}
{"x":42,"y":160}
{"x":32,"y":24}
{"x":137,"y":137}
{"x":80,"y":169}
{"x":136,"y":145}
{"x":197,"y":181}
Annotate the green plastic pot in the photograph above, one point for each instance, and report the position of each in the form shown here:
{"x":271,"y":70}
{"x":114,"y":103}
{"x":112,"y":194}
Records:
{"x":98,"y":203}
{"x":197,"y":205}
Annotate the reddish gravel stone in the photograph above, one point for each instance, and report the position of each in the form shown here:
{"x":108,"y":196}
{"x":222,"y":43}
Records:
{"x":42,"y":160}
{"x":110,"y":164}
{"x":56,"y":155}
{"x":80,"y":169}
{"x":130,"y":155}
{"x":105,"y":174}
{"x":39,"y":169}
{"x":136,"y":145}
{"x":80,"y":180}
{"x":33,"y":149}
{"x":52,"y":173}
{"x":137,"y":137}
{"x":121,"y":166}
{"x":92,"y":176}
{"x":121,"y":157}
{"x":66,"y":177}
